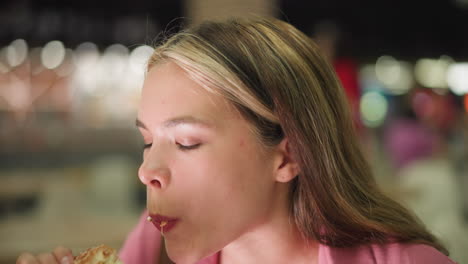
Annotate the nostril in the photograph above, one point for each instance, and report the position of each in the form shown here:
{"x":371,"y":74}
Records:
{"x":156,"y":183}
{"x":154,"y":177}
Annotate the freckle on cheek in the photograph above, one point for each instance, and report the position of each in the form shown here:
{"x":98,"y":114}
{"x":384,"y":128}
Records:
{"x":241,"y":143}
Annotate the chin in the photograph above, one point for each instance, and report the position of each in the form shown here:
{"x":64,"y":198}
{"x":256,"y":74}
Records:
{"x":185,"y":255}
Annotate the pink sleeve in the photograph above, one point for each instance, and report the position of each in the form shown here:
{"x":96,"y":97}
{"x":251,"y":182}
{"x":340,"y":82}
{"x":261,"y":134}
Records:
{"x":392,"y":253}
{"x":142,"y":244}
{"x":418,"y":253}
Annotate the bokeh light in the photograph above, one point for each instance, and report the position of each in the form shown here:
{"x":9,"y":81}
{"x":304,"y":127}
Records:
{"x":387,"y":70}
{"x":53,"y":54}
{"x":395,"y":75}
{"x":112,"y":66}
{"x":84,"y":79}
{"x":17,"y":52}
{"x":86,"y":55}
{"x":373,"y":108}
{"x":432,"y":73}
{"x":115,"y":58}
{"x":457,"y":78}
{"x":139,"y":57}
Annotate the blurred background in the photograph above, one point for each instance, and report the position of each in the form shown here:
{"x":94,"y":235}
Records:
{"x":71,"y":73}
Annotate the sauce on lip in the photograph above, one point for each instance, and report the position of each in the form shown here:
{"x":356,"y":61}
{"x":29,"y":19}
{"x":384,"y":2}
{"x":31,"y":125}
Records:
{"x":161,"y":224}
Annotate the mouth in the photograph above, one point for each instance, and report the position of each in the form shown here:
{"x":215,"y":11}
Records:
{"x":163,"y":223}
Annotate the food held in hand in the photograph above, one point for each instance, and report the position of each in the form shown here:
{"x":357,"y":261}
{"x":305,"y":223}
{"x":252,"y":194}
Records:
{"x":98,"y":255}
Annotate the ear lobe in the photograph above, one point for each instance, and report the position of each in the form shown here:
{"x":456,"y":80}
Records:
{"x":286,"y":166}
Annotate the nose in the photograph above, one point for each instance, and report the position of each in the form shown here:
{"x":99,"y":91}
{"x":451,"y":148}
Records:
{"x":153,"y":175}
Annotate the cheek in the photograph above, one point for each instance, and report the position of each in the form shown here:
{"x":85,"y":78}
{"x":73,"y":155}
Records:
{"x":236,"y":174}
{"x":219,"y":174}
{"x":224,"y":193}
{"x":232,"y":167}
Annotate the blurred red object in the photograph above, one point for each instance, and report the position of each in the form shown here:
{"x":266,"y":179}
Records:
{"x":346,"y":69}
{"x":435,"y":110}
{"x":466,"y":103}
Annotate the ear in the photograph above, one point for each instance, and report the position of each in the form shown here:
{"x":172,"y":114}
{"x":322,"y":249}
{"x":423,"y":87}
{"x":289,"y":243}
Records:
{"x":286,"y":167}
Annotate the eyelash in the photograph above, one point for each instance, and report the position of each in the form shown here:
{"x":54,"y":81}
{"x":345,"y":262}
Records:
{"x":145,"y":146}
{"x":185,"y":148}
{"x":180,"y":146}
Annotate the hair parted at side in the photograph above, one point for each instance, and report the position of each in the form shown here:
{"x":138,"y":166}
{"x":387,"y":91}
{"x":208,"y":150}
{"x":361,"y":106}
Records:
{"x":277,"y":78}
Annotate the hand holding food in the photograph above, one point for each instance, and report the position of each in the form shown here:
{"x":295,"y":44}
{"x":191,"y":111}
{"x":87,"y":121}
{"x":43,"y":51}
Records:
{"x":60,"y":255}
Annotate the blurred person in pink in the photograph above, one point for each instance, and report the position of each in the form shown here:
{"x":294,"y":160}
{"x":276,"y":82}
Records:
{"x":250,"y":156}
{"x":407,"y":140}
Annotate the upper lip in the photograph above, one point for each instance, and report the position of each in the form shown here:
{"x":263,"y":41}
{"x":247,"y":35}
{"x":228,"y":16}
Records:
{"x":162,"y":218}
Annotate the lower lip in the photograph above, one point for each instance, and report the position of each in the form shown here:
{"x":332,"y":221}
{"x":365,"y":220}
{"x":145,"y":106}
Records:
{"x":166,"y":228}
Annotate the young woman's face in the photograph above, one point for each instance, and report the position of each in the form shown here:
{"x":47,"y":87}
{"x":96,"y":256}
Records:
{"x":201,"y":165}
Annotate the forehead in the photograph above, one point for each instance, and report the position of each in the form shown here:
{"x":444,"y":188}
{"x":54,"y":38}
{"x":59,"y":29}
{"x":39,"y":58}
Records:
{"x":168,"y":93}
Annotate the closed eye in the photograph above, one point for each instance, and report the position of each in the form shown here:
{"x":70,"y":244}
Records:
{"x":180,"y":146}
{"x":184,"y":147}
{"x":145,"y":146}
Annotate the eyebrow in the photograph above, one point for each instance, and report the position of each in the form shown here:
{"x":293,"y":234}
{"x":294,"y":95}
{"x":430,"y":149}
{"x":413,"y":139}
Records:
{"x":182,"y":120}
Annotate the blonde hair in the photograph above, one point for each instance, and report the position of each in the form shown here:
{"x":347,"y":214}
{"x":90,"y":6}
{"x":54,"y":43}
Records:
{"x":277,"y":78}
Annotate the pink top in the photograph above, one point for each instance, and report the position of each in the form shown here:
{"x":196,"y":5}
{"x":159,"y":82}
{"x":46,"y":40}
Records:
{"x":143,"y":243}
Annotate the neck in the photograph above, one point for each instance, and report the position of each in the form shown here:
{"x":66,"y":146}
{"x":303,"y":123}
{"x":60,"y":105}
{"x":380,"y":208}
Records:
{"x":276,"y":240}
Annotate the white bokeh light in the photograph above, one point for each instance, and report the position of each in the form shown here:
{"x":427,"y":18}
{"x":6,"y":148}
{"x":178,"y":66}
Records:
{"x":432,"y":73}
{"x":53,"y":54}
{"x":387,"y":70}
{"x":139,"y":58}
{"x":457,"y":78}
{"x":406,"y":80}
{"x":17,"y":52}
{"x":113,"y":63}
{"x":395,"y":75}
{"x":86,"y":55}
{"x":86,"y":59}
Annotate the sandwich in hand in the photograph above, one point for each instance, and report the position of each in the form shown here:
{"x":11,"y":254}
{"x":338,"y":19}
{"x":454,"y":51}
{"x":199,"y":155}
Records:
{"x":98,"y":255}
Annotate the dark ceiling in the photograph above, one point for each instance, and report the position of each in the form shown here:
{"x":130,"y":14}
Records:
{"x":369,"y":28}
{"x":403,"y":28}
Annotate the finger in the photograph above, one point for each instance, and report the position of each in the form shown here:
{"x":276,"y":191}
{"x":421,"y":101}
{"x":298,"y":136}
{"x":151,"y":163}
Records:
{"x":27,"y":258}
{"x":63,"y":255}
{"x":47,"y":258}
